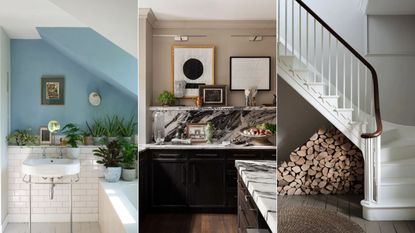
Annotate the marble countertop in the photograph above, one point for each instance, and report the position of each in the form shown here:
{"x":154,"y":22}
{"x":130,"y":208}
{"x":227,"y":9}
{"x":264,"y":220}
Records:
{"x":216,"y":108}
{"x":143,"y":147}
{"x":260,"y":179}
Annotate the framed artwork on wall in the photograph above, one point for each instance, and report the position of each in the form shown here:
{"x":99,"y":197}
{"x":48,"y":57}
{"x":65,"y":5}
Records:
{"x":196,"y":132}
{"x":45,"y":136}
{"x":250,"y":72}
{"x":53,"y":90}
{"x":213,"y":95}
{"x":192,"y":66}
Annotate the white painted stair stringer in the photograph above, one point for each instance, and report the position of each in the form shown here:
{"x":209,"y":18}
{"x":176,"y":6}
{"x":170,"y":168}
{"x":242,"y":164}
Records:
{"x":325,"y":109}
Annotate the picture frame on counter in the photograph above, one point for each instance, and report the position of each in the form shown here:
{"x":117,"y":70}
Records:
{"x":45,"y":136}
{"x":213,"y":95}
{"x":248,"y":72}
{"x":192,"y":66}
{"x":196,"y":132}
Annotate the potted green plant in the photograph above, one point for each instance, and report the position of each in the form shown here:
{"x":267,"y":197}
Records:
{"x":166,"y":98}
{"x":87,"y":138}
{"x":110,"y":157}
{"x":22,"y":138}
{"x":112,"y":128}
{"x":98,"y":131}
{"x":71,"y":131}
{"x":127,"y":128}
{"x":128,"y":161}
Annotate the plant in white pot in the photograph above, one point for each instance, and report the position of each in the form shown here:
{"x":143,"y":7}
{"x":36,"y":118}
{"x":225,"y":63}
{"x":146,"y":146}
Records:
{"x":128,"y":162}
{"x":73,"y":136}
{"x":110,"y":157}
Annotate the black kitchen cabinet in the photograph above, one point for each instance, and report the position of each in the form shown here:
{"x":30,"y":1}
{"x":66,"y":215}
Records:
{"x":206,"y":183}
{"x":197,"y":180}
{"x":143,"y":183}
{"x":169,"y":180}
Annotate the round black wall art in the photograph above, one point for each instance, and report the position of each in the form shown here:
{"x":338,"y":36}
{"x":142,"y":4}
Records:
{"x":193,"y":68}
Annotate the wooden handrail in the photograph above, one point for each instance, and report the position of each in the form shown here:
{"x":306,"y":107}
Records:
{"x":379,"y":127}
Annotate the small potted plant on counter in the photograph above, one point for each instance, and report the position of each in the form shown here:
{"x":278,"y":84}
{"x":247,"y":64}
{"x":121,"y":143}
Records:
{"x":127,"y":128}
{"x":73,"y":136}
{"x":98,"y":131}
{"x":128,"y":162}
{"x":112,"y":128}
{"x":110,"y":157}
{"x":22,"y":138}
{"x":166,"y":98}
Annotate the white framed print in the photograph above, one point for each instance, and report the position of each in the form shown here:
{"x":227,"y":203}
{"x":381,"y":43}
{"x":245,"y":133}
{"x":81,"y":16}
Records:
{"x":195,"y":66}
{"x":250,"y":72}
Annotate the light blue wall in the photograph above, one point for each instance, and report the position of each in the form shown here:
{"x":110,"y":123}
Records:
{"x":97,"y":54}
{"x":30,"y":59}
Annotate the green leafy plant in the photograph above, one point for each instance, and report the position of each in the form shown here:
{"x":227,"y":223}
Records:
{"x":97,"y":129}
{"x":112,"y":126}
{"x":22,"y":137}
{"x":129,"y":155}
{"x":166,"y":98}
{"x":72,"y":133}
{"x":127,"y":128}
{"x":267,"y":126}
{"x":110,"y":154}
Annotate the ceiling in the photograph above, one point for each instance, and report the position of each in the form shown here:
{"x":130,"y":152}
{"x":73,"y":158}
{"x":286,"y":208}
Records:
{"x":19,"y":18}
{"x":390,"y":7}
{"x":211,"y":9}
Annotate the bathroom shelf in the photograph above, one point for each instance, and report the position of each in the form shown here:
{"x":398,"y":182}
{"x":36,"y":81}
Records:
{"x":219,"y":108}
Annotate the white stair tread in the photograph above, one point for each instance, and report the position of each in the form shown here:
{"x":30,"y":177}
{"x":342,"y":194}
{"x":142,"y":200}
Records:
{"x":358,"y":122}
{"x":400,"y":162}
{"x":343,"y":109}
{"x":329,"y":96}
{"x":398,"y":181}
{"x":314,"y":83}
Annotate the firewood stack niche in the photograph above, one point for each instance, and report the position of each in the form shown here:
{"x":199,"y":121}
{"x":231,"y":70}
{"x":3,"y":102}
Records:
{"x":327,"y":164}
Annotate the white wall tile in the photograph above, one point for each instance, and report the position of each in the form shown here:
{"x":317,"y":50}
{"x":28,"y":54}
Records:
{"x":85,"y":192}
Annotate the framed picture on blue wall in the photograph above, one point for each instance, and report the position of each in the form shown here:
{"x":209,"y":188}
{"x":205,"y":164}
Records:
{"x":53,"y":90}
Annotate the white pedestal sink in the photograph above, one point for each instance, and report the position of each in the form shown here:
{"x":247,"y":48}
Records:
{"x":51,"y":167}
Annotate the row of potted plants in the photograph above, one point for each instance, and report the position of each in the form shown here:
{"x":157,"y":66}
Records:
{"x":119,"y":158}
{"x":97,"y":132}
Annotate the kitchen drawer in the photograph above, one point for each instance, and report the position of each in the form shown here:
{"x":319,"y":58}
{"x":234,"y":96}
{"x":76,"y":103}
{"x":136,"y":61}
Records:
{"x":206,"y":155}
{"x":169,"y":154}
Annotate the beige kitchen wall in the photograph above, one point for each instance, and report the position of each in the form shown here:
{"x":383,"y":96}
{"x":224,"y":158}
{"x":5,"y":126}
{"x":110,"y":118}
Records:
{"x":219,"y":34}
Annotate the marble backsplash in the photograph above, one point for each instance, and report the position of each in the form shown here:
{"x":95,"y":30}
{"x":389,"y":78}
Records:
{"x":227,"y":122}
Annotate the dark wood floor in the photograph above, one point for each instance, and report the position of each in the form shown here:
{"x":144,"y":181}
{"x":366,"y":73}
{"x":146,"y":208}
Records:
{"x":347,"y":206}
{"x":189,"y":223}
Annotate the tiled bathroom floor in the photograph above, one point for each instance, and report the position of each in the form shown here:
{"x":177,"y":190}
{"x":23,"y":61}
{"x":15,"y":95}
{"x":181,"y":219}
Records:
{"x":84,"y":227}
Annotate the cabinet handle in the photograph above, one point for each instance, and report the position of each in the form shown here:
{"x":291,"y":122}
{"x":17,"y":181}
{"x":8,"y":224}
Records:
{"x":169,"y":155}
{"x":206,"y":155}
{"x":194,"y":173}
{"x":183,"y":174}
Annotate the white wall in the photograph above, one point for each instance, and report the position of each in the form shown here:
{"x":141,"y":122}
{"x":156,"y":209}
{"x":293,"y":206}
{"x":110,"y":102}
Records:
{"x":115,"y":20}
{"x":4,"y":118}
{"x":392,"y":52}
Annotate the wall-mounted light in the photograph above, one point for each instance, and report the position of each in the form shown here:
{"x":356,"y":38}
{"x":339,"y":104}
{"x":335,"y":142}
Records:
{"x":180,"y":38}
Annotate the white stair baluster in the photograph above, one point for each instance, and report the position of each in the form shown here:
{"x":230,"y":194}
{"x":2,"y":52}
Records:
{"x":329,"y":64}
{"x":292,"y":26}
{"x":358,"y":90}
{"x":337,"y":68}
{"x":286,"y":27}
{"x":299,"y":33}
{"x":344,"y":78}
{"x":315,"y":50}
{"x":322,"y":54}
{"x":351,"y":81}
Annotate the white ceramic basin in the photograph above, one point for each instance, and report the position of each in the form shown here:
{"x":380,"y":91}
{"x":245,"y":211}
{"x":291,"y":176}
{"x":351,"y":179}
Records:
{"x":50,"y":167}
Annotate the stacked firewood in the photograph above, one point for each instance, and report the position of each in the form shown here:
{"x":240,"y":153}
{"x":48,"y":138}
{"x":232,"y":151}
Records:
{"x":328,"y":164}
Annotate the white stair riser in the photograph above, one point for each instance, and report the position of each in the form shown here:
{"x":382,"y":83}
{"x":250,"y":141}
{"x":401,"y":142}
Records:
{"x":333,"y":102}
{"x":391,"y":192}
{"x":396,"y":153}
{"x":389,"y":214}
{"x":395,"y":171}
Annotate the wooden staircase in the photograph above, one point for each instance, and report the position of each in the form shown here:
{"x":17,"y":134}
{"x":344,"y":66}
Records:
{"x":341,"y":84}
